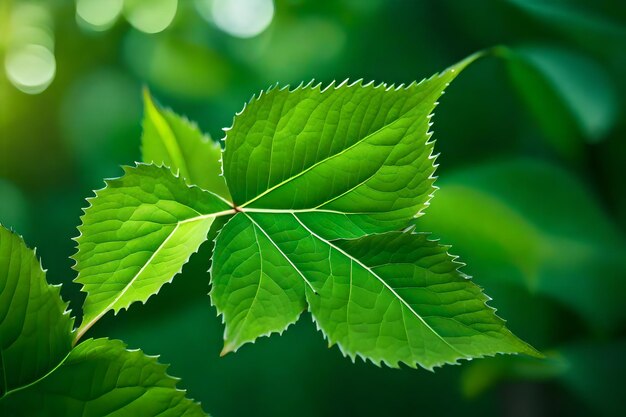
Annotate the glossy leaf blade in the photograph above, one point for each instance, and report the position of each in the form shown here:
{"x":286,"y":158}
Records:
{"x":253,"y":284}
{"x":391,"y":298}
{"x":102,"y":378}
{"x":137,"y":234}
{"x":419,"y":309}
{"x":35,"y":327}
{"x":348,"y":150}
{"x":171,"y":140}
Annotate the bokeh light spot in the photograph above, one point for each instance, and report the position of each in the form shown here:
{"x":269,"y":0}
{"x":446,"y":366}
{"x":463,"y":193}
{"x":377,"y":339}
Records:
{"x":98,"y":14}
{"x":150,"y":16}
{"x":30,"y":68}
{"x":242,"y":18}
{"x":30,"y":34}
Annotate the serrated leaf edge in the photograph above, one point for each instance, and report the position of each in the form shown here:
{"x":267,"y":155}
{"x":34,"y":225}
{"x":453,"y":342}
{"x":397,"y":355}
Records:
{"x":379,"y":362}
{"x":220,"y":314}
{"x":127,"y":169}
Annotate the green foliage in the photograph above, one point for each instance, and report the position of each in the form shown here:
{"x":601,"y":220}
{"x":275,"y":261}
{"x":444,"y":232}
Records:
{"x":322,"y":181}
{"x":176,"y":142}
{"x":583,"y":101}
{"x":35,"y":327}
{"x":555,"y":271}
{"x":102,"y":378}
{"x":137,"y":234}
{"x":43,"y":376}
{"x":392,"y":297}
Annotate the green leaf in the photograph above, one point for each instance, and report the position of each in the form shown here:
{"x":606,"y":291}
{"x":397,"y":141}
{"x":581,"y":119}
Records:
{"x":35,"y":326}
{"x":137,"y":234}
{"x":311,"y":167}
{"x":255,"y":285}
{"x":403,"y":299}
{"x":102,"y":378}
{"x":392,"y":298}
{"x":591,"y":25}
{"x":570,"y":95}
{"x":171,"y":140}
{"x":350,"y":155}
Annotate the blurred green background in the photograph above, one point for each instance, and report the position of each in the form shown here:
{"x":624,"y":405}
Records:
{"x":533,"y":191}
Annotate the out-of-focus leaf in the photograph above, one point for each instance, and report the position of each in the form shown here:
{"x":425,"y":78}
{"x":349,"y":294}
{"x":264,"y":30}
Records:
{"x":595,"y":24}
{"x":593,"y":370}
{"x":482,"y":375}
{"x":35,"y":327}
{"x":136,"y":236}
{"x":176,"y":65}
{"x":308,"y":45}
{"x":98,"y":119}
{"x":595,"y":373}
{"x":14,"y":209}
{"x":171,"y":140}
{"x":102,"y":378}
{"x":535,"y":224}
{"x":569,"y":94}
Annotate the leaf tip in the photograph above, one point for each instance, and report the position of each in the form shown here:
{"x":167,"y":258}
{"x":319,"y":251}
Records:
{"x":228,"y":347}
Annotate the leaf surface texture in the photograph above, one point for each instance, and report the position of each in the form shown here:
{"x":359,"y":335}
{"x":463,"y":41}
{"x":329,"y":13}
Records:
{"x":137,"y":234}
{"x":102,"y":378}
{"x":35,"y":328}
{"x":174,"y":141}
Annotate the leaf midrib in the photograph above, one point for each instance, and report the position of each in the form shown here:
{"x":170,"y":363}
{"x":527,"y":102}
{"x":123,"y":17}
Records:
{"x":255,"y":224}
{"x":41,"y":378}
{"x":322,"y":161}
{"x":402,"y":300}
{"x":86,"y":326}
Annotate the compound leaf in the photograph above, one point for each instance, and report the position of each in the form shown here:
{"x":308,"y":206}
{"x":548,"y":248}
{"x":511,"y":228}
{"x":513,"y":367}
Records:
{"x":102,"y":378}
{"x":322,"y":180}
{"x":171,"y":140}
{"x":35,"y":326}
{"x":137,"y":234}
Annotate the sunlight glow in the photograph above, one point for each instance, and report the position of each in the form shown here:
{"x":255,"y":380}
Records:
{"x":30,"y":68}
{"x":242,"y":18}
{"x":98,"y":14}
{"x":152,"y":16}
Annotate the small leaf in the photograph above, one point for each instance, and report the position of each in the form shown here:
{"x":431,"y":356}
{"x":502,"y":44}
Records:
{"x":137,"y":234}
{"x":171,"y":140}
{"x":35,"y":326}
{"x":393,"y":297}
{"x":352,"y":154}
{"x":102,"y":378}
